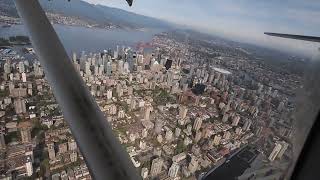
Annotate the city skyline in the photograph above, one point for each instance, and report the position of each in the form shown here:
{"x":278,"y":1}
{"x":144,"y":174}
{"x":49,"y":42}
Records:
{"x":176,"y":115}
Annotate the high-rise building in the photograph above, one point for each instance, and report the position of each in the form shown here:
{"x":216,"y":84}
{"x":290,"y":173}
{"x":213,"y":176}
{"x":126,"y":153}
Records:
{"x":284,"y":147}
{"x":185,"y":87}
{"x":21,"y":67}
{"x":29,"y":168}
{"x":168,"y":64}
{"x":235,"y":120}
{"x":11,"y":87}
{"x":193,"y":165}
{"x":225,"y":117}
{"x":211,"y":77}
{"x":175,"y":88}
{"x":130,"y":90}
{"x":188,"y":130}
{"x":7,"y":68}
{"x":198,"y":136}
{"x":101,"y":70}
{"x":197,"y":123}
{"x":158,"y":126}
{"x":130,"y":59}
{"x":62,"y":148}
{"x":24,"y":77}
{"x":258,"y":131}
{"x":20,"y":106}
{"x":183,"y":112}
{"x":238,"y":130}
{"x":113,"y":109}
{"x":120,"y":67}
{"x":16,"y":76}
{"x":116,"y":53}
{"x":169,"y":135}
{"x":140,"y":59}
{"x":226,"y":135}
{"x":275,"y":152}
{"x":173,"y":170}
{"x":216,"y":140}
{"x":196,"y":150}
{"x":144,"y":173}
{"x":119,"y":90}
{"x":87,"y":69}
{"x":93,"y":61}
{"x":157,"y":151}
{"x":18,"y":92}
{"x":29,"y":151}
{"x":147,"y":111}
{"x":144,"y":133}
{"x":83,"y":59}
{"x":96,"y":70}
{"x":159,"y":138}
{"x":177,"y":132}
{"x":109,"y":94}
{"x":133,"y":103}
{"x":74,"y":57}
{"x":126,"y":68}
{"x":2,"y":140}
{"x":156,"y":167}
{"x":170,"y":75}
{"x":154,"y":65}
{"x":260,"y":88}
{"x":72,"y":145}
{"x":108,"y":69}
{"x":142,"y":145}
{"x":275,"y":93}
{"x":51,"y":151}
{"x":187,"y":141}
{"x":121,"y":114}
{"x":25,"y":131}
{"x":38,"y":71}
{"x":280,"y":106}
{"x":73,"y":156}
{"x":247,"y":125}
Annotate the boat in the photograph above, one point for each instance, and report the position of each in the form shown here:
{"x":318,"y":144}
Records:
{"x":6,"y":26}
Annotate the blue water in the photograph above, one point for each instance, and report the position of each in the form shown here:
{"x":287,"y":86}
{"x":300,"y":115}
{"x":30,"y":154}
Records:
{"x":90,"y":39}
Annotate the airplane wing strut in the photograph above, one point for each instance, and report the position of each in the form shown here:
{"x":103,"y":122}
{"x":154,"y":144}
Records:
{"x":104,"y":155}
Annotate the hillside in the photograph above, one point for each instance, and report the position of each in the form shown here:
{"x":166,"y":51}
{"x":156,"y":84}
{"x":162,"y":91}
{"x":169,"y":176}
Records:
{"x":93,"y":14}
{"x":7,"y":8}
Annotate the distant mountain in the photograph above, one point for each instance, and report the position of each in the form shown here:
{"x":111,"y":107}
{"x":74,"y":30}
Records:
{"x":126,"y":17}
{"x":78,"y":8}
{"x":90,"y":12}
{"x":7,"y":8}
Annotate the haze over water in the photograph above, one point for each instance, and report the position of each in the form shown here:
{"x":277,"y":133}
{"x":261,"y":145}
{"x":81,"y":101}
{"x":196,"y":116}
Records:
{"x":79,"y":39}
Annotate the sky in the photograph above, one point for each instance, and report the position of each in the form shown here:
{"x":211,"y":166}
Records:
{"x":239,"y":20}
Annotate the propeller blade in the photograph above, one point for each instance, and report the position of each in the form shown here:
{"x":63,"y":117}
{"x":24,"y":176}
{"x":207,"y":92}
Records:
{"x":129,"y":2}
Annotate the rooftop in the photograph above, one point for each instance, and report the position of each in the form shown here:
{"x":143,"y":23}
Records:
{"x":223,"y":71}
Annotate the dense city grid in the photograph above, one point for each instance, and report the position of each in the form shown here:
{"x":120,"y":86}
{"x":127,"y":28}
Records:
{"x":180,"y":105}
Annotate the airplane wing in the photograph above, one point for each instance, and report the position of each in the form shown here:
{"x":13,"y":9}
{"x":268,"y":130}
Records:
{"x":103,"y":153}
{"x":292,"y":36}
